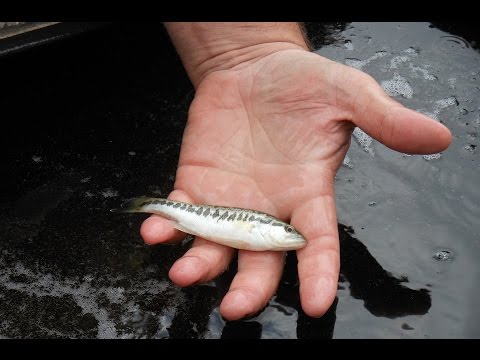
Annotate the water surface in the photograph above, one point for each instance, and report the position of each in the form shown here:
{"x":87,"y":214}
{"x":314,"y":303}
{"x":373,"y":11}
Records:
{"x":109,"y":110}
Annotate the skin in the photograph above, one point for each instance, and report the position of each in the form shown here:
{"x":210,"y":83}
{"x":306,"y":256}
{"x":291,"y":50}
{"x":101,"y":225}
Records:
{"x":269,"y":127}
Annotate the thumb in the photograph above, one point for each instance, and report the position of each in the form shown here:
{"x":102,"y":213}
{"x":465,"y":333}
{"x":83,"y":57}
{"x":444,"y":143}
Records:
{"x":394,"y":125}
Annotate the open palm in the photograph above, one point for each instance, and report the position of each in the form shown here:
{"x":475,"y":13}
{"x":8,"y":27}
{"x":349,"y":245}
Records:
{"x":270,"y":136}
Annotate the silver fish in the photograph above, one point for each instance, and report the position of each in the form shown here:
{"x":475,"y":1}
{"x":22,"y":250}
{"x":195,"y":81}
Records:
{"x":235,"y":227}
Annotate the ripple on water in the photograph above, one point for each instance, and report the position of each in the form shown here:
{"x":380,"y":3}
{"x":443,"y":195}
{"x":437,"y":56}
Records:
{"x":453,"y":47}
{"x":443,"y":255}
{"x":451,"y":43}
{"x":432,"y":156}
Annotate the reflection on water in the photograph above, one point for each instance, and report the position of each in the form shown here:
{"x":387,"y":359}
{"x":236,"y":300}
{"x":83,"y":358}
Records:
{"x":382,"y":293}
{"x":423,"y":204}
{"x":242,"y":330}
{"x":409,"y":269}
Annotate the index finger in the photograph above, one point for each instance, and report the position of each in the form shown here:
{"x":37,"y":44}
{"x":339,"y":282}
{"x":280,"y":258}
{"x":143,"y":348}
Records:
{"x":319,"y":260}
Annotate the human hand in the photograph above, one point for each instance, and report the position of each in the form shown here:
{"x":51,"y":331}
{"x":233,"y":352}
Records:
{"x":271,"y":135}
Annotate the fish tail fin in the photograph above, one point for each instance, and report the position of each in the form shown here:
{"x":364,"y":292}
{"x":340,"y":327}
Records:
{"x":134,"y":205}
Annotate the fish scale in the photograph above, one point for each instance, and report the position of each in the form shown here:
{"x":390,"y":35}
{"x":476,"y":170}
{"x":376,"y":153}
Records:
{"x":239,"y":228}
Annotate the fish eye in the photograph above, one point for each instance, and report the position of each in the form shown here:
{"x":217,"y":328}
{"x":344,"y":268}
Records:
{"x":288,"y":229}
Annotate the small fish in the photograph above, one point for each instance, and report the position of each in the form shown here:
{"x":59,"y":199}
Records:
{"x":235,"y":227}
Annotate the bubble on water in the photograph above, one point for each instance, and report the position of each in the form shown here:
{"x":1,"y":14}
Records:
{"x":428,"y":113}
{"x":441,"y":104}
{"x":109,"y":193}
{"x":38,"y":284}
{"x":411,"y":51}
{"x":358,"y":64}
{"x":470,"y":147}
{"x":115,"y":295}
{"x":37,"y":158}
{"x":432,"y":156}
{"x":397,"y":60}
{"x":443,"y":255}
{"x":425,"y":73}
{"x":472,"y":135}
{"x":348,"y":45}
{"x":451,"y":82}
{"x":47,"y":285}
{"x":364,"y":140}
{"x":378,"y":54}
{"x":165,"y":321}
{"x":133,"y":318}
{"x":215,"y":325}
{"x":355,"y":63}
{"x":106,"y":329}
{"x":398,"y":86}
{"x":347,"y":162}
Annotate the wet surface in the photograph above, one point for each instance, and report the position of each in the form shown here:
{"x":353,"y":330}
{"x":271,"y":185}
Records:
{"x":97,"y":119}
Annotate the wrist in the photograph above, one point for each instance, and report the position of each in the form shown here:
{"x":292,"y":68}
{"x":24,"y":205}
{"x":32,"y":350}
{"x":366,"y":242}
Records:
{"x":208,"y":47}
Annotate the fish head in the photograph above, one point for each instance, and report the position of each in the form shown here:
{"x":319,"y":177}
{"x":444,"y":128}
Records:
{"x":281,"y":236}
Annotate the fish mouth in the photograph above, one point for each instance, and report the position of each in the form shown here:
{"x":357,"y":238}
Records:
{"x":295,"y":242}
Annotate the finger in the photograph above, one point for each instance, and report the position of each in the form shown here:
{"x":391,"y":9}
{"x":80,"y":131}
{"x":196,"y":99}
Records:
{"x":254,"y":284}
{"x":393,"y":124}
{"x":157,"y":229}
{"x":204,"y":261}
{"x":319,"y":260}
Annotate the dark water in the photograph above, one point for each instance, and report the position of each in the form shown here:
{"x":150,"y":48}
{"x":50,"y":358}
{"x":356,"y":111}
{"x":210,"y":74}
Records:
{"x":96,"y":119}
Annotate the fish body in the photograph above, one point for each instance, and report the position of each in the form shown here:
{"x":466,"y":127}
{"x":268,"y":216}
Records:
{"x":235,"y":227}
